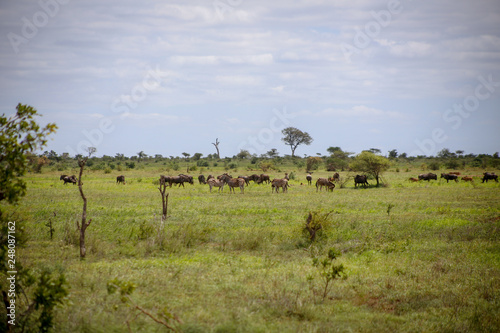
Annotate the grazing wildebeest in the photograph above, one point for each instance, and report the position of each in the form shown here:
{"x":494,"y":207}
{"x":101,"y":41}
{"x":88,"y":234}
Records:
{"x":489,"y":176}
{"x":217,"y":183}
{"x":254,"y":177}
{"x":309,"y":179}
{"x":246,"y":179}
{"x":68,"y":179}
{"x":210,"y":177}
{"x":120,"y":179}
{"x":428,"y":176}
{"x":361,"y":179}
{"x":187,"y":178}
{"x":277,"y":183}
{"x":263,"y":178}
{"x":324,"y":182}
{"x":467,"y":179}
{"x":411,"y":179}
{"x":449,"y":177}
{"x":176,"y":180}
{"x":201,"y":179}
{"x":233,"y":182}
{"x":335,"y":177}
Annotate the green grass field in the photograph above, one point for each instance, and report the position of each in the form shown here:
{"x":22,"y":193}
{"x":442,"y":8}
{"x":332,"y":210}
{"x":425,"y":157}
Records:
{"x":418,"y":257}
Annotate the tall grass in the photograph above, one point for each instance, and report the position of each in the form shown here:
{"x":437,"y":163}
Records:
{"x":240,"y":262}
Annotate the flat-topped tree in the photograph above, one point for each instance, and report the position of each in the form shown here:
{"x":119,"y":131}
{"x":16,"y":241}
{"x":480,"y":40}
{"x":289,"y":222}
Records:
{"x":294,"y":137}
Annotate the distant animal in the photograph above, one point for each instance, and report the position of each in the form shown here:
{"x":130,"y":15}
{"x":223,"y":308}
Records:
{"x":449,"y":177}
{"x":246,"y":179}
{"x":187,"y":178}
{"x":454,"y":173}
{"x":286,"y":176}
{"x":212,"y":182}
{"x":263,"y":178}
{"x":201,"y":179}
{"x":176,"y":180}
{"x":210,"y":177}
{"x":309,"y":179}
{"x":427,"y":176}
{"x":277,"y":183}
{"x":68,"y":179}
{"x":254,"y":177}
{"x":335,"y":177}
{"x":489,"y":176}
{"x":411,"y":179}
{"x":120,"y":179}
{"x":224,"y":174}
{"x":234,"y":182}
{"x":324,"y":182}
{"x":361,"y":179}
{"x":467,"y":179}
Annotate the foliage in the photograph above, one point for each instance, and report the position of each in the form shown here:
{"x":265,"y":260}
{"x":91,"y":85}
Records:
{"x":313,"y":162}
{"x":327,"y":271}
{"x":266,"y":166}
{"x":317,"y":223}
{"x":294,"y":137}
{"x":371,"y":164}
{"x":19,"y":135}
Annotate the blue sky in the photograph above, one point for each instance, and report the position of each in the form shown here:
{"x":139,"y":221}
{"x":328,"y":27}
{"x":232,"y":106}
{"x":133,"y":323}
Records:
{"x":167,"y":77}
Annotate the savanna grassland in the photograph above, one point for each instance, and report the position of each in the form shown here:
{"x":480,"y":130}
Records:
{"x":417,"y":257}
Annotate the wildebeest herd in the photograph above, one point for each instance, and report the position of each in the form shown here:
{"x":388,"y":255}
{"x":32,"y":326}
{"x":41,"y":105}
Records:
{"x":283,"y":183}
{"x":454,"y":176}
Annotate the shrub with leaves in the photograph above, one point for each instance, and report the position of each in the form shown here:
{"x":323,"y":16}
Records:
{"x":327,"y":273}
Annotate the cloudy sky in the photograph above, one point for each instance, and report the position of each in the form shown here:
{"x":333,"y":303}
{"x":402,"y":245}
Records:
{"x":167,"y":77}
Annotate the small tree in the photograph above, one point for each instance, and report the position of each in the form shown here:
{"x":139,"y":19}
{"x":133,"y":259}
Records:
{"x":294,"y":137}
{"x":83,"y":226}
{"x":20,"y":135}
{"x":313,"y":162}
{"x":371,"y":164}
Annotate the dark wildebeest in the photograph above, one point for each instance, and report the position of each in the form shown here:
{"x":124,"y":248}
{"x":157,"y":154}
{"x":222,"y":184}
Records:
{"x":176,"y":180}
{"x":335,"y":178}
{"x":361,"y":179}
{"x":120,"y":179}
{"x":309,"y":179}
{"x":187,"y":178}
{"x":489,"y":176}
{"x":324,"y":182}
{"x":217,"y":183}
{"x":233,"y":182}
{"x":210,"y":177}
{"x":254,"y":177}
{"x":69,"y":179}
{"x":277,"y":183}
{"x":201,"y":179}
{"x":449,"y":177}
{"x":246,"y":179}
{"x":263,"y":178}
{"x":427,"y":176}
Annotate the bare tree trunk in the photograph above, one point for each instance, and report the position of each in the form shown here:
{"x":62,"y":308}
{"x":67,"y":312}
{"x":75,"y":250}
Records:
{"x":83,"y":226}
{"x":216,"y":144}
{"x":164,"y":198}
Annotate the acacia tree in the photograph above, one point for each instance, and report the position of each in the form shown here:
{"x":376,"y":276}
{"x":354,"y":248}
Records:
{"x":294,"y":137}
{"x":371,"y":164}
